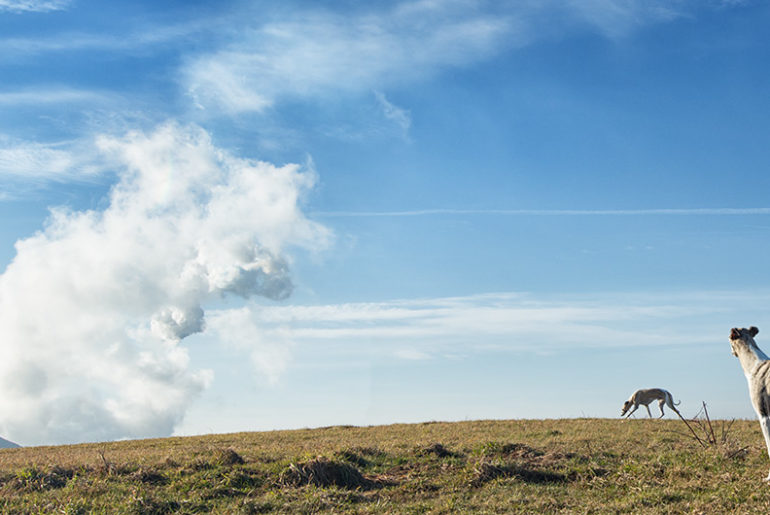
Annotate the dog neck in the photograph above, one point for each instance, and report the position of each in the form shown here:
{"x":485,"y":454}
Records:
{"x":750,"y":356}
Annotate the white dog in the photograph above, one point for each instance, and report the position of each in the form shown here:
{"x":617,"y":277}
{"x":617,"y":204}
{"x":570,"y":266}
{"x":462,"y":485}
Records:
{"x":756,"y":366}
{"x":646,"y":397}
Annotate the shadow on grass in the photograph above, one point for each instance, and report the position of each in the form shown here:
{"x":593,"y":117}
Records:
{"x":485,"y":472}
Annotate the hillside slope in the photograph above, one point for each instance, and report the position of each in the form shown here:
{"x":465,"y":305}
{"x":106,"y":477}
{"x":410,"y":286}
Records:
{"x":571,"y":465}
{"x":6,"y":444}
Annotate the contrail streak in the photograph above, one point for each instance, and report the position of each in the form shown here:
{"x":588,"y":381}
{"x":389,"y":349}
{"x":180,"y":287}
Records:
{"x":552,"y":212}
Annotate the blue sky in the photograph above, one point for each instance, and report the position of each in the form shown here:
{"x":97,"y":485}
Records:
{"x":239,"y":216}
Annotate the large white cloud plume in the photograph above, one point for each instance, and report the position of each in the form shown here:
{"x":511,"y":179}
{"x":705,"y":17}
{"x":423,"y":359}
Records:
{"x":93,"y":307}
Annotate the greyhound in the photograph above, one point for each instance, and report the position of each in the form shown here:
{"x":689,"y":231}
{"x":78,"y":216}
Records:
{"x":646,"y":397}
{"x":756,"y":367}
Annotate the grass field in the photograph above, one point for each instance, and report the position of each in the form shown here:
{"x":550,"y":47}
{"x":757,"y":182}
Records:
{"x":512,"y":466}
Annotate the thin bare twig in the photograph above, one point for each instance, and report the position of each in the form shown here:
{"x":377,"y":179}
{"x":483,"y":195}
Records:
{"x":702,"y":422}
{"x":713,"y":438}
{"x":692,"y":430}
{"x":107,"y":464}
{"x":725,"y":431}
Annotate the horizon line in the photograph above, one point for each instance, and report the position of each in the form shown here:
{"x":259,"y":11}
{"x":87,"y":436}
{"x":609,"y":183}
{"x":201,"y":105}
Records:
{"x":552,"y":212}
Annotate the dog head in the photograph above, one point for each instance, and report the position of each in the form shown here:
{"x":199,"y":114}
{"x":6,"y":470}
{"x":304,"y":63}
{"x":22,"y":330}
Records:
{"x":742,"y":338}
{"x":626,"y":406}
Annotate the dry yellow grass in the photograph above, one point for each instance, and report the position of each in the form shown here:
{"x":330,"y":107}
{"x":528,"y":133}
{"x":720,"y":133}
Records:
{"x":526,"y":466}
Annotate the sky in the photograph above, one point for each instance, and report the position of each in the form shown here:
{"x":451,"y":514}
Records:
{"x":244,"y":216}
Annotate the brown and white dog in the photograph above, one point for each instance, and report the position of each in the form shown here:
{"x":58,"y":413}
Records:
{"x":645,"y":397}
{"x":756,"y":367}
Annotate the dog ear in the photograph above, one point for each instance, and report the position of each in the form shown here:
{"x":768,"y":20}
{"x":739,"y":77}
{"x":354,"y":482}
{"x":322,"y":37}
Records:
{"x":735,"y":334}
{"x":753,"y":331}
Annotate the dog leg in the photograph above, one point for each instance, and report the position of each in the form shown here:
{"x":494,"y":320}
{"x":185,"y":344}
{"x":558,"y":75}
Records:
{"x":765,"y":423}
{"x":648,"y":410}
{"x":635,"y":408}
{"x":660,"y":405}
{"x":671,"y":404}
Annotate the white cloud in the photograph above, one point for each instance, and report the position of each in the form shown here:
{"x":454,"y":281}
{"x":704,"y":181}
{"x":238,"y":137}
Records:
{"x":411,"y":354}
{"x":616,"y":18}
{"x":321,"y":52}
{"x":139,"y":38}
{"x":30,"y":161}
{"x":395,"y":114}
{"x":425,"y":328}
{"x":52,"y":96}
{"x":242,"y":331}
{"x":19,"y":6}
{"x":93,"y":307}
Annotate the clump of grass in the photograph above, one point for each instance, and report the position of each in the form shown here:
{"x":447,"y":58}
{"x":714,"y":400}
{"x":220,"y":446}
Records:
{"x":149,"y":476}
{"x":352,"y":457}
{"x":323,"y":472}
{"x":146,"y":505}
{"x":508,"y":450}
{"x":360,"y":456}
{"x":255,"y":507}
{"x":436,"y":449}
{"x":34,"y":478}
{"x":228,"y":457}
{"x":170,"y":462}
{"x":212,"y":460}
{"x":243,"y":479}
{"x":197,"y":465}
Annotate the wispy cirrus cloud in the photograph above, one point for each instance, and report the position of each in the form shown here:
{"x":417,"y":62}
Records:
{"x":122,"y":40}
{"x":399,"y":116}
{"x":34,"y":162}
{"x":324,"y":52}
{"x":517,"y":322}
{"x":616,"y":18}
{"x":22,"y":6}
{"x":54,"y":95}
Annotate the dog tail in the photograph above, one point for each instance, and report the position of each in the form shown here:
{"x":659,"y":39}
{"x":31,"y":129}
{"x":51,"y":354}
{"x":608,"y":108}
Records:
{"x":671,"y":398}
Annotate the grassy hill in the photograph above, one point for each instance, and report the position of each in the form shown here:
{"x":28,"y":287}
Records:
{"x":571,"y":466}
